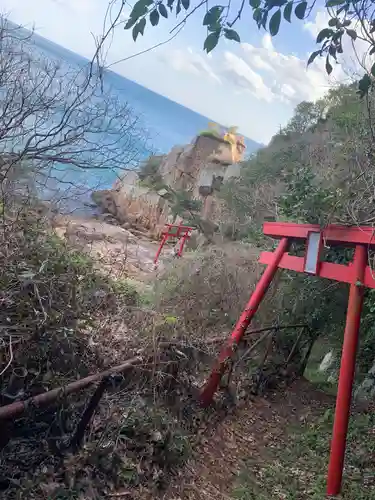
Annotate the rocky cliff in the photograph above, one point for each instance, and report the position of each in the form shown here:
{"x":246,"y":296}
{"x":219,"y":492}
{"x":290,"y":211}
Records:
{"x":197,"y":169}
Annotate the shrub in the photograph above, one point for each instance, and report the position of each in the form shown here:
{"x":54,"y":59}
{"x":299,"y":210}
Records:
{"x":148,"y":172}
{"x":210,"y":133}
{"x":65,"y":320}
{"x":208,"y":290}
{"x":52,"y":294}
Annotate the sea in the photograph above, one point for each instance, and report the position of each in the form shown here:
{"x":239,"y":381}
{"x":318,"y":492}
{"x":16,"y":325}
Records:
{"x":164,"y":122}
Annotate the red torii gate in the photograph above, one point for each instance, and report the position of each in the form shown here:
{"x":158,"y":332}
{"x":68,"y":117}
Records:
{"x":182,"y":233}
{"x":358,"y":274}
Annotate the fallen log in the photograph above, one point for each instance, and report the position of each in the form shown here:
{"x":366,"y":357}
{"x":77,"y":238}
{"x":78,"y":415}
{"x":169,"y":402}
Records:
{"x":17,"y":408}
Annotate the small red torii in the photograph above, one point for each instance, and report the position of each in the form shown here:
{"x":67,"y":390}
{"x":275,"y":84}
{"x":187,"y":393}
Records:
{"x":178,"y":231}
{"x":358,"y":274}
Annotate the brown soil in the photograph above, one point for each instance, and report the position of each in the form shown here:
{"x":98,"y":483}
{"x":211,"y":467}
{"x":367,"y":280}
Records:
{"x":261,"y":424}
{"x":117,"y":250}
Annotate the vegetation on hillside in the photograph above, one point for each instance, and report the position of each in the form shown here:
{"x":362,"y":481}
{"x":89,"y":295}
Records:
{"x":296,"y":469}
{"x":63,"y":317}
{"x":317,"y":169}
{"x":63,"y":320}
{"x":227,"y":134}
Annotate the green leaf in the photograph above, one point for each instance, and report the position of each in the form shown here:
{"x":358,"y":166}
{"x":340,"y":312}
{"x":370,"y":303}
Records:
{"x":135,"y":32}
{"x":257,"y":15}
{"x":372,"y":51}
{"x":154,"y":18}
{"x":323,"y":34}
{"x":364,"y":85}
{"x":214,"y":27}
{"x":288,"y":11}
{"x":139,"y":28}
{"x":373,"y":70}
{"x":142,"y":24}
{"x":170,"y":4}
{"x":333,"y":22}
{"x":275,"y":3}
{"x":328,"y":67}
{"x":170,"y":320}
{"x":163,"y":11}
{"x":313,"y":56}
{"x":274,"y":25}
{"x":300,"y":10}
{"x":337,"y":35}
{"x":352,"y":34}
{"x":130,"y":23}
{"x":332,"y":52}
{"x":140,"y":8}
{"x":232,"y":35}
{"x":254,"y":3}
{"x":334,"y":3}
{"x":213,"y":15}
{"x":178,"y":8}
{"x":185,"y":4}
{"x":211,"y":41}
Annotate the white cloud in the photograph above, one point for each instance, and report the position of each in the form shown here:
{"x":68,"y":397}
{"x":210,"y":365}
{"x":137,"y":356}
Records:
{"x":258,"y":62}
{"x":237,"y":82}
{"x":321,"y":21}
{"x":261,"y":71}
{"x":81,"y":7}
{"x":286,"y":75}
{"x":267,"y":42}
{"x":237,"y":71}
{"x":190,"y":61}
{"x":287,"y":90}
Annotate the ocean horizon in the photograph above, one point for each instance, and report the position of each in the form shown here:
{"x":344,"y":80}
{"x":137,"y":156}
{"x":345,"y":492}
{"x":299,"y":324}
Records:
{"x":169,"y":122}
{"x":164,"y":122}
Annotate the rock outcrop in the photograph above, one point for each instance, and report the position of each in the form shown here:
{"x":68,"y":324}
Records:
{"x":198,"y":168}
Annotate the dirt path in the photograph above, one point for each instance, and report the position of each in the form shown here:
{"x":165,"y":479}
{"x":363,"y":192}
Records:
{"x":116,"y":249}
{"x":250,"y":432}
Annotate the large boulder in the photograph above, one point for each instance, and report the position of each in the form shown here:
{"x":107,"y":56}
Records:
{"x":105,"y":200}
{"x":132,"y":203}
{"x":198,"y":168}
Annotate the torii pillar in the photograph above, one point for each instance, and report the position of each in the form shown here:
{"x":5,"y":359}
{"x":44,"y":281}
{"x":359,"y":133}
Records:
{"x":358,"y":274}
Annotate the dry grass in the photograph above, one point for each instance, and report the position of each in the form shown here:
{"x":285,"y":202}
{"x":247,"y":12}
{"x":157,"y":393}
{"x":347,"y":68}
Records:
{"x":62,"y":320}
{"x":207,"y":291}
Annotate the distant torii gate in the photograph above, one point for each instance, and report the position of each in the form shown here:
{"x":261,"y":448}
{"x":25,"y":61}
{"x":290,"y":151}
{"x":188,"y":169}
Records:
{"x":182,"y":233}
{"x":358,"y":274}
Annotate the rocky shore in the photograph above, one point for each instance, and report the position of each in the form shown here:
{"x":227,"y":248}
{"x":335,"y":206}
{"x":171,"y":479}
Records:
{"x":123,"y":238}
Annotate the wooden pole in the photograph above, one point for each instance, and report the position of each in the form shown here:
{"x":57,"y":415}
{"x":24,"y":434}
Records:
{"x":48,"y":397}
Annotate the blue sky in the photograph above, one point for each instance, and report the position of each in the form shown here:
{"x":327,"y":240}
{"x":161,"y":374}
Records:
{"x":254,"y":85}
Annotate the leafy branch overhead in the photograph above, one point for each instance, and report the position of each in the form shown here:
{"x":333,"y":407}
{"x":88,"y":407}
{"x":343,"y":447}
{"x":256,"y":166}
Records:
{"x":351,"y":19}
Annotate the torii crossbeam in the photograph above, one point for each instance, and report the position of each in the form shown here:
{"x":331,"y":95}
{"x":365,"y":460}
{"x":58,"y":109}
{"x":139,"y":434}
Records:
{"x":358,"y":274}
